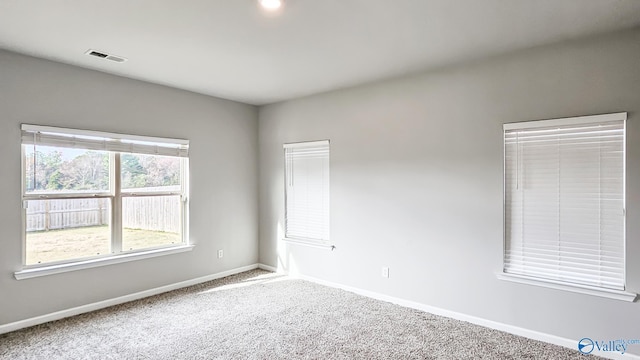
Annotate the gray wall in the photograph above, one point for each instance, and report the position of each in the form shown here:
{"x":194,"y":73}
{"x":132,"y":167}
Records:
{"x":416,"y":181}
{"x":223,"y":163}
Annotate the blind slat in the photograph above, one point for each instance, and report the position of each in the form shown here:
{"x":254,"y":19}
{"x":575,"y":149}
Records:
{"x":94,"y":140}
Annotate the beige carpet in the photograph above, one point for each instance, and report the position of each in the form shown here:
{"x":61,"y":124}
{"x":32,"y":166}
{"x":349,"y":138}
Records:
{"x":261,"y":315}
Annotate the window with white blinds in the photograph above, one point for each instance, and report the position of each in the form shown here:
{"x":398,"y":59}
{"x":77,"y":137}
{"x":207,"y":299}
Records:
{"x":564,"y":200}
{"x":307,"y":191}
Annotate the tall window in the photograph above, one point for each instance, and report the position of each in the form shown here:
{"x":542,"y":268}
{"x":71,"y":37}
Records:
{"x":307,"y":191}
{"x":564,"y":200}
{"x":91,"y":194}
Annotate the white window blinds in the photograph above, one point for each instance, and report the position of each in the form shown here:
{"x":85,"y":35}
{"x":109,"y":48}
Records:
{"x":564,"y":200}
{"x":98,"y":140}
{"x":307,"y":191}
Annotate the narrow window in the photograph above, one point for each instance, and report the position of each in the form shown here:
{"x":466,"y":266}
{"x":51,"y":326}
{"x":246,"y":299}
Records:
{"x":307,"y":191}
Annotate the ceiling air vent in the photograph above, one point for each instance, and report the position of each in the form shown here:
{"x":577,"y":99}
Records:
{"x":103,"y":55}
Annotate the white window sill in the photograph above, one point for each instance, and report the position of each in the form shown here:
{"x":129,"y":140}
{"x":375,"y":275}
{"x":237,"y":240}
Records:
{"x":309,"y":243}
{"x":87,"y":264}
{"x":607,"y":293}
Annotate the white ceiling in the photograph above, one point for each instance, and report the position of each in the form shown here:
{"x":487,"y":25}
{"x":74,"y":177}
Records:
{"x":232,"y":49}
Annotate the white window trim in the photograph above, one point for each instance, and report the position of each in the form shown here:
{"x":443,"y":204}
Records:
{"x":549,"y":283}
{"x":114,"y":193}
{"x":28,"y":273}
{"x":304,"y":144}
{"x":576,"y":288}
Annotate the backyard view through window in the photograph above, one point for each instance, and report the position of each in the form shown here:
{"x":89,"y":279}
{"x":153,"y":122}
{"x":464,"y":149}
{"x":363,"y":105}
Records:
{"x":91,"y":196}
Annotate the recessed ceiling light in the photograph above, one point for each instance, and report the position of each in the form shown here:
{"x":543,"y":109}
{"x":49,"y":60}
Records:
{"x":270,"y":5}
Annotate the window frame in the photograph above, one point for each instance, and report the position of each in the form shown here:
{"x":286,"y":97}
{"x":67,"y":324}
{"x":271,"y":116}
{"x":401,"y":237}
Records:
{"x":115,"y":196}
{"x":622,"y":294}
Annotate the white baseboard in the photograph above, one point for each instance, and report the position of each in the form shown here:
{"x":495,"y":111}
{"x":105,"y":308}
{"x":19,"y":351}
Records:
{"x":267,"y":267}
{"x":535,"y":335}
{"x":119,"y":300}
{"x":515,"y":330}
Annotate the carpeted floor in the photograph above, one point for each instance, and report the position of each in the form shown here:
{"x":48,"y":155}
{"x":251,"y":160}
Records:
{"x":261,"y":315}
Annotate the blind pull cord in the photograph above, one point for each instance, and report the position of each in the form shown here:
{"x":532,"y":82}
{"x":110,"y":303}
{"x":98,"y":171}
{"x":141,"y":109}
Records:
{"x":33,"y":178}
{"x":291,"y":169}
{"x":517,"y":160}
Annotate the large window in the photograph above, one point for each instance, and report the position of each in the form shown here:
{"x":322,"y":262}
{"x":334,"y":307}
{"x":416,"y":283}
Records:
{"x":307,"y":192}
{"x":90,"y":194}
{"x":564,"y":201}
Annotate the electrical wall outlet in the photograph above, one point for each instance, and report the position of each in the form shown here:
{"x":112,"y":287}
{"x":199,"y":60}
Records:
{"x":385,"y":272}
{"x":220,"y":254}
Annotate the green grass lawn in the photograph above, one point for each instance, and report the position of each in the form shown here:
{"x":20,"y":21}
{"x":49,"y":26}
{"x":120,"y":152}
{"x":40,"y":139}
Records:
{"x":56,"y":245}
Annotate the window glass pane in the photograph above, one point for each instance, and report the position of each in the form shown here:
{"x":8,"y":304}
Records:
{"x":151,"y":221}
{"x":67,"y":229}
{"x":53,"y":169}
{"x":150,"y":172}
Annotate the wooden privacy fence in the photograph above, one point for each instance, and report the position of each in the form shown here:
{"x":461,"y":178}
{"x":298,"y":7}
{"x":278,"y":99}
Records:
{"x":158,"y":213}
